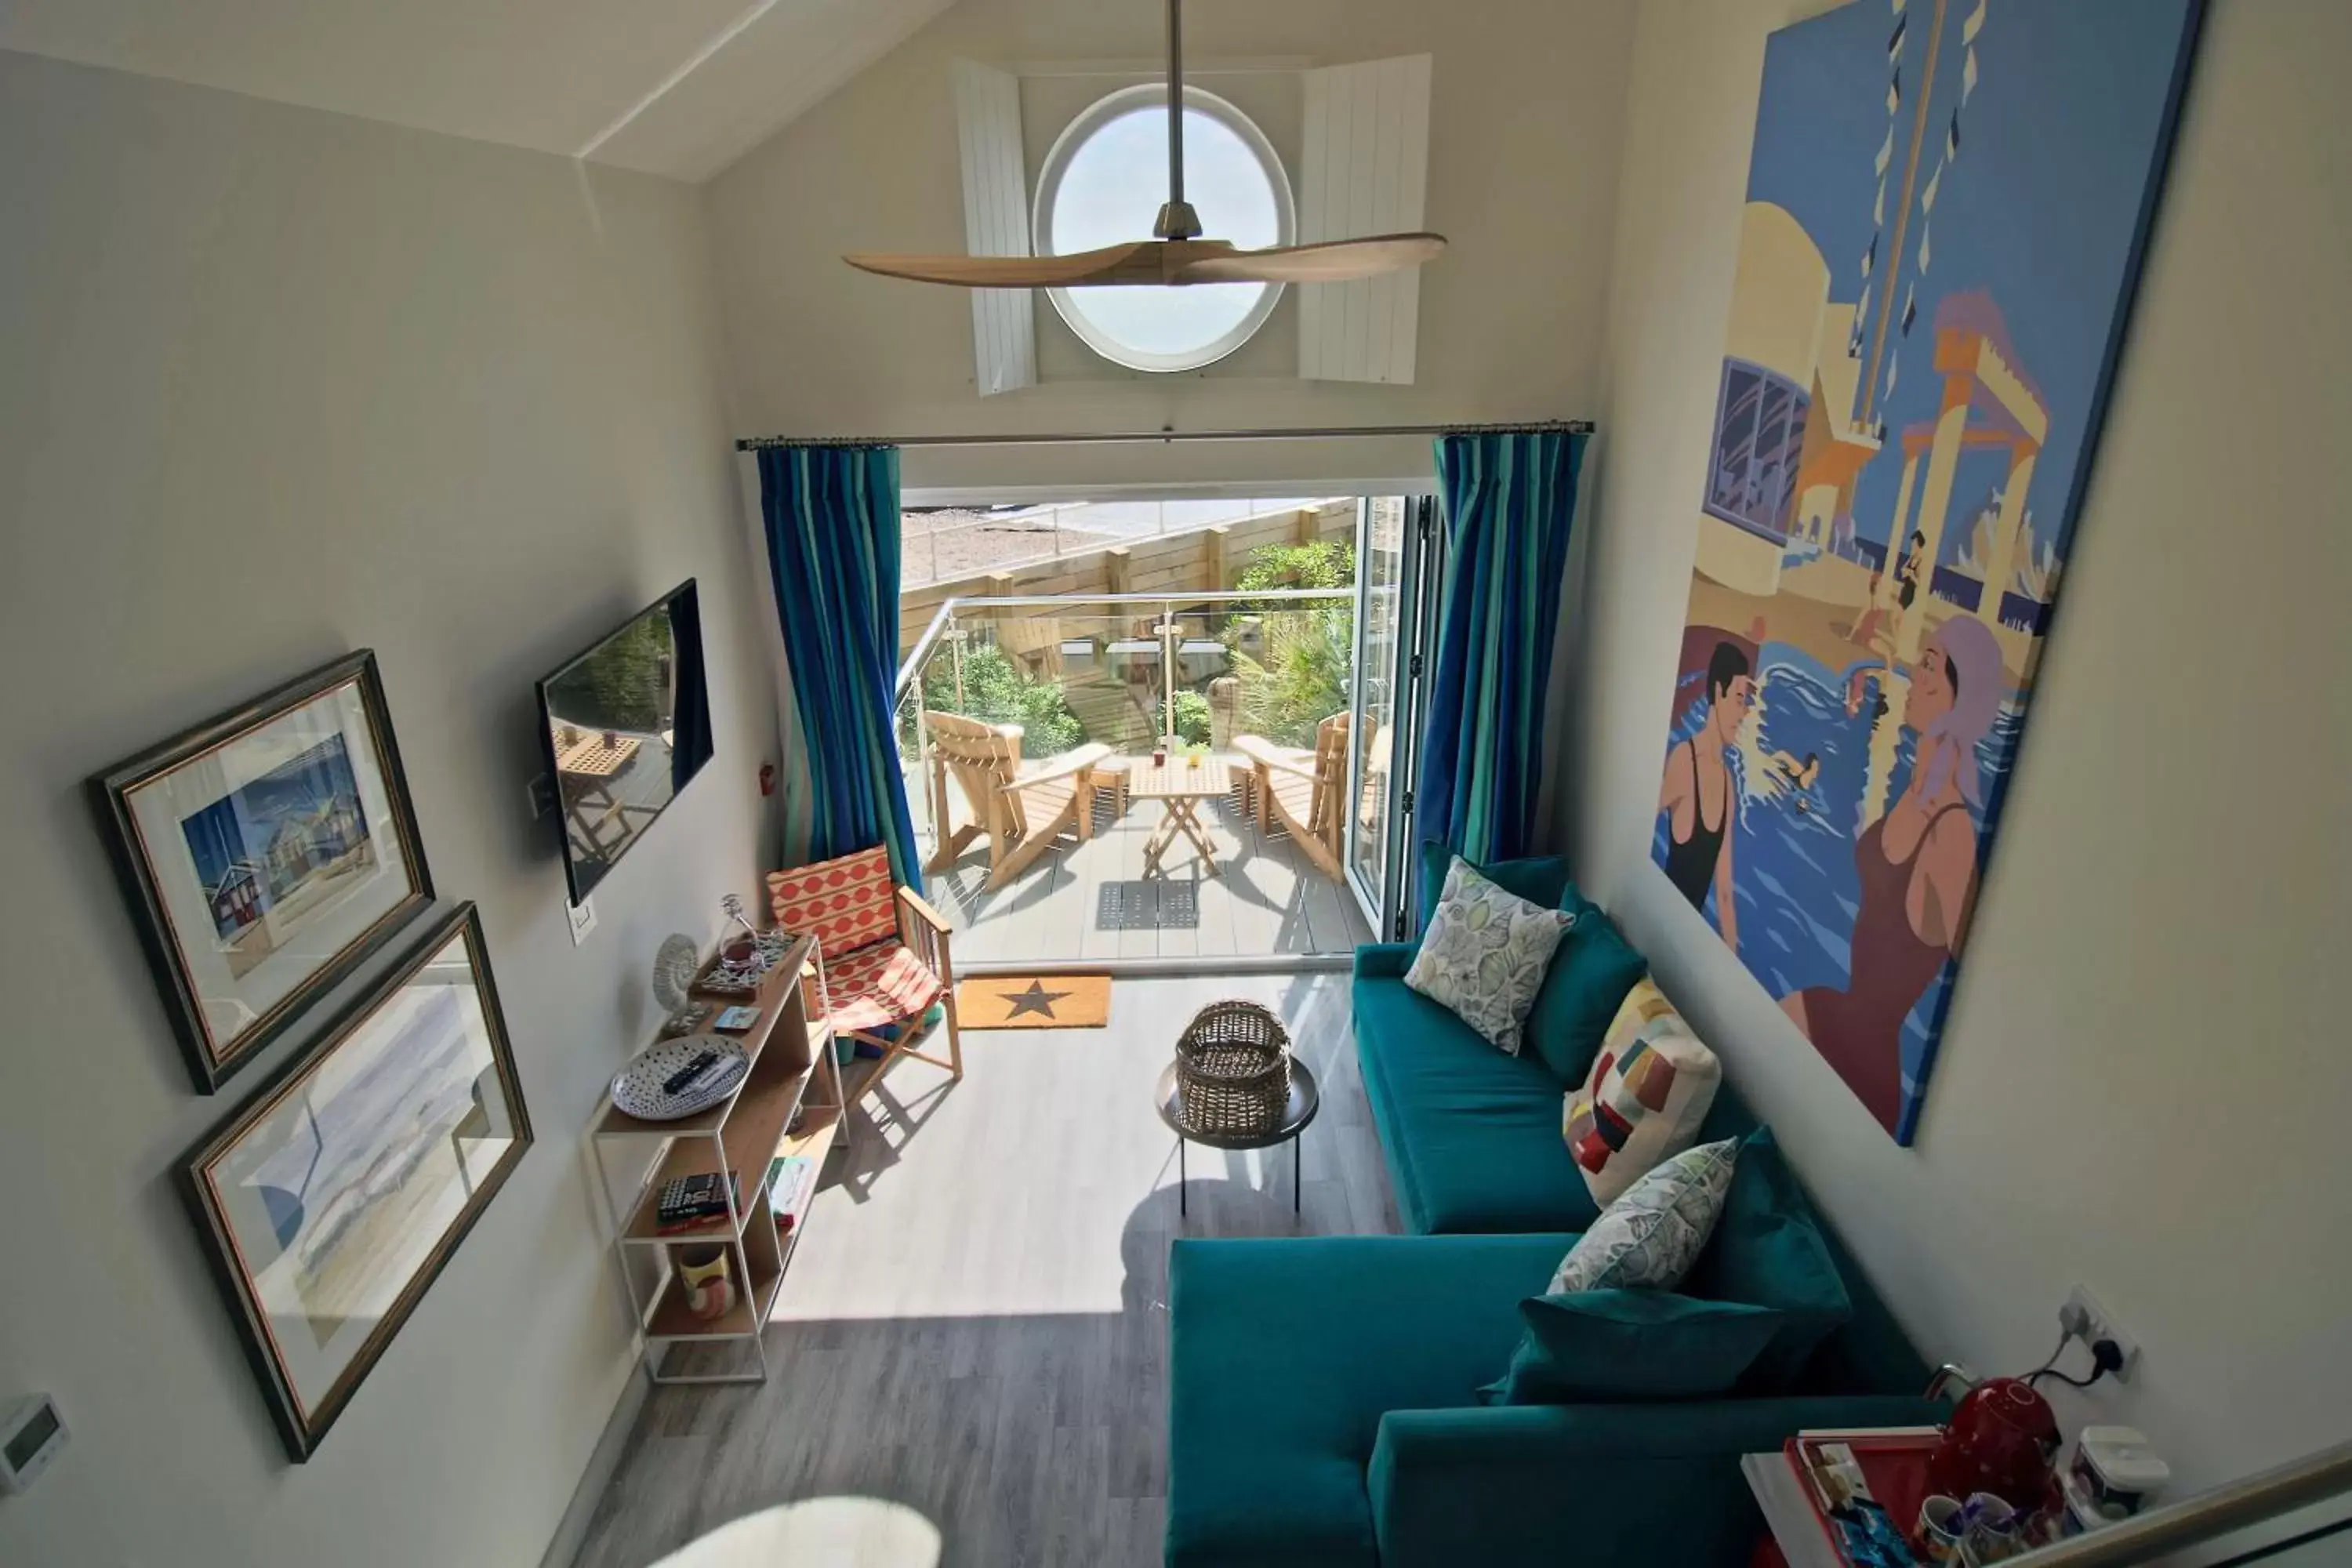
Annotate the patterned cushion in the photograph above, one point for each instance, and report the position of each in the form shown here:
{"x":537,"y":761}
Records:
{"x":845,"y":903}
{"x":1643,"y":1102}
{"x":883,"y":983}
{"x":1485,"y":953}
{"x":1649,"y":1238}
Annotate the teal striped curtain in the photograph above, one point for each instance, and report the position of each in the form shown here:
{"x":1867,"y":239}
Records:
{"x":1509,"y":499}
{"x":832,"y":515}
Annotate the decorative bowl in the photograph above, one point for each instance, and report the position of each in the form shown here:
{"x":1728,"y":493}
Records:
{"x":669,"y":1078}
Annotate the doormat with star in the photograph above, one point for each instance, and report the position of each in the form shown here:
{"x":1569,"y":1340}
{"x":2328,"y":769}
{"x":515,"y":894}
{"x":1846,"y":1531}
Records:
{"x":1034,"y":1001}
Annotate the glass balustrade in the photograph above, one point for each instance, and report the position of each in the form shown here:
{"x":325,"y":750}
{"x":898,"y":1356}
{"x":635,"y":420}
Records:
{"x":1226,"y":688}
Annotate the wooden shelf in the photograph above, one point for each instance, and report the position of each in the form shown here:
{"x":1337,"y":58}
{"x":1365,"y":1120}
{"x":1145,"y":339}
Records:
{"x":814,"y":1139}
{"x":753,"y":1136}
{"x":780,"y":1003}
{"x":792,"y":1067}
{"x":671,"y":1319}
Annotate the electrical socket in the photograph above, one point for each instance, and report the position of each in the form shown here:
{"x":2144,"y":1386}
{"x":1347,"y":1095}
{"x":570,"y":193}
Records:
{"x":2083,"y":1319}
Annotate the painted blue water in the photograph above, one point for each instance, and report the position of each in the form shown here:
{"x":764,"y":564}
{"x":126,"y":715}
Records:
{"x":1793,"y":857}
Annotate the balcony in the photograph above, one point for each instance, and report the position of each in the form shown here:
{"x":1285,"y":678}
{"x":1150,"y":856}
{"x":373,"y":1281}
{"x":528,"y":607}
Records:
{"x":1155,"y":778}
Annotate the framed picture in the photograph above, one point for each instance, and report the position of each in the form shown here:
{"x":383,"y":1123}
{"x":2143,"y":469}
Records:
{"x":266,"y":852}
{"x":331,"y":1202}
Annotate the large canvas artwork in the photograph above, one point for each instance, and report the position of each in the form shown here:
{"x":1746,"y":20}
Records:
{"x":1947,"y":204}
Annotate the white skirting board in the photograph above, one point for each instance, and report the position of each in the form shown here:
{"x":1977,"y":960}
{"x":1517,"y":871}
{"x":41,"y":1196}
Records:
{"x":573,"y":1527}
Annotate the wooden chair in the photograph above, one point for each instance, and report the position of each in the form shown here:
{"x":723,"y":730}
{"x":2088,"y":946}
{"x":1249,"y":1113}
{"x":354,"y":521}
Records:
{"x":886,"y":954}
{"x":1020,"y":812}
{"x":1303,"y":789}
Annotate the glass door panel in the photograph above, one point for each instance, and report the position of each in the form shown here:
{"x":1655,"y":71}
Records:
{"x":1379,"y":566}
{"x":1396,"y":601}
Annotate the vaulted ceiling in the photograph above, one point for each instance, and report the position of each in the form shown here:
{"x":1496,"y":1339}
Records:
{"x":679,"y":88}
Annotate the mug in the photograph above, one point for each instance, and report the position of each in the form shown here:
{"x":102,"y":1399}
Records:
{"x":1993,"y":1531}
{"x":1941,"y":1529}
{"x":705,"y":1278}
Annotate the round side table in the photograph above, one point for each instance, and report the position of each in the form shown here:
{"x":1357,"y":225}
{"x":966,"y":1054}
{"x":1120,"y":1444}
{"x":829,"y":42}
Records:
{"x":1304,"y":1101}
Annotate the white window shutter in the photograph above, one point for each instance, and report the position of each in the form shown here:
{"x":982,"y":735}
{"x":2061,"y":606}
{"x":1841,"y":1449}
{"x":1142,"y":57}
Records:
{"x":995,"y":222}
{"x":1366,"y":168}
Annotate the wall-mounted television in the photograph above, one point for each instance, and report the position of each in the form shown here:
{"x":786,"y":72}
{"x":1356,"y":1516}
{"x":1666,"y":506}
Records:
{"x":626,"y":724}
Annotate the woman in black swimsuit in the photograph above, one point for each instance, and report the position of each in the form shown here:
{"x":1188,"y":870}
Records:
{"x":1697,"y":794}
{"x":1908,"y":572}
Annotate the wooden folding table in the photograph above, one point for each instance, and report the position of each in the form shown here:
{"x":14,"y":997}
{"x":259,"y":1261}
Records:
{"x":1180,"y":786}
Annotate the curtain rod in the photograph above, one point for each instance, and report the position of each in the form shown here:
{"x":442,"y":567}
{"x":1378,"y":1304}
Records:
{"x":1069,"y":438}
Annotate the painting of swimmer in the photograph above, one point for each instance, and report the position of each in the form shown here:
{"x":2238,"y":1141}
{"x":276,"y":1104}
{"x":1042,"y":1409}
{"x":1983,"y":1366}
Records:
{"x":1947,"y":206}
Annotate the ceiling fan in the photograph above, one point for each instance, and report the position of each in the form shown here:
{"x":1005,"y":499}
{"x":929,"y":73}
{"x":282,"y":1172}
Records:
{"x":1176,"y":255}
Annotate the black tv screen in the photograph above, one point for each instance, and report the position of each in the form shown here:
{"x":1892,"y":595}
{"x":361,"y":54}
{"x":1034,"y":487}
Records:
{"x":628,"y":724}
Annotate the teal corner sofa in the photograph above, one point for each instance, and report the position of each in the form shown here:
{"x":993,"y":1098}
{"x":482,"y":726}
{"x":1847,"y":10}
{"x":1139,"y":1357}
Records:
{"x":1323,"y":1395}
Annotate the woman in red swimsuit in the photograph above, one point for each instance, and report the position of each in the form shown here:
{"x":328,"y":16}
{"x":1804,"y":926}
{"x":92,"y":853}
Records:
{"x":1917,"y":869}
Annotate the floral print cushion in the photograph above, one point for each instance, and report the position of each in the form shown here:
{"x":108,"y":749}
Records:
{"x":1649,"y":1238}
{"x":1485,"y":953}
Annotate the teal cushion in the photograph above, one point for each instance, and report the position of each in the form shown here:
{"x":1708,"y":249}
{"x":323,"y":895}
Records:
{"x":1629,"y":1345}
{"x":1283,"y":1356}
{"x":1471,"y":1136}
{"x":1592,"y":970}
{"x":1537,"y":879}
{"x":1769,"y":1251}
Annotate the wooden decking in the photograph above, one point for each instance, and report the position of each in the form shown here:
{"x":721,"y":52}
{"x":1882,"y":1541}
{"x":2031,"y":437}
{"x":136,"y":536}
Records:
{"x":1092,"y":901}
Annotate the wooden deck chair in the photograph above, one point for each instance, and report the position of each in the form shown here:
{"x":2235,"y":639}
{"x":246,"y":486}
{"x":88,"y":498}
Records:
{"x":1303,"y":789}
{"x":886,"y":954}
{"x":1020,"y":810}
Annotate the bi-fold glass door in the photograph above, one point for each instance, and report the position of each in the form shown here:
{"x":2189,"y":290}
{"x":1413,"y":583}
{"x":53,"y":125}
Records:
{"x":1398,"y":571}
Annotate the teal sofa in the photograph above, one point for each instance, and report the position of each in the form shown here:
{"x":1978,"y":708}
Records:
{"x":1324,"y":1406}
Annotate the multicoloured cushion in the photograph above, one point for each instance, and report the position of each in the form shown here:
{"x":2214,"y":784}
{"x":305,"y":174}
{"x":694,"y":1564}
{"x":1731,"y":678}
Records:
{"x":845,"y":902}
{"x":1485,"y":953}
{"x":1643,"y":1102}
{"x":1626,"y":1345}
{"x":1650,"y":1237}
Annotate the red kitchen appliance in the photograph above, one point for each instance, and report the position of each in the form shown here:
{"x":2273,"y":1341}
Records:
{"x":2002,"y":1438}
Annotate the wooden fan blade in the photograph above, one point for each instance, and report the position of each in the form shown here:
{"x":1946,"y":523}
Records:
{"x":1164,"y":261}
{"x":1333,"y":261}
{"x":1011,"y":271}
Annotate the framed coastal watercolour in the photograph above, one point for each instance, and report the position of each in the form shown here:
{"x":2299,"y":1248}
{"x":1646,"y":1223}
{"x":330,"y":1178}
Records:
{"x":1947,"y":206}
{"x":331,"y":1202}
{"x":266,"y":852}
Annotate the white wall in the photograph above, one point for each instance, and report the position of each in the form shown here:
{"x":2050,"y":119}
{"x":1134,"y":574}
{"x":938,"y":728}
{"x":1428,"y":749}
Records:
{"x":1526,"y":109}
{"x":277,"y":384}
{"x":2143,"y":1085}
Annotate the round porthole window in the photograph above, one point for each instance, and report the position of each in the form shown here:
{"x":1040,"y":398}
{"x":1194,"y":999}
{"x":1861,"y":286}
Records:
{"x":1102,"y":185}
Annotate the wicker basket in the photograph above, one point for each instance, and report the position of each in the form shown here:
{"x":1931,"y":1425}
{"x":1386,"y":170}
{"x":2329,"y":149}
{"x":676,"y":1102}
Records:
{"x":1233,"y":1064}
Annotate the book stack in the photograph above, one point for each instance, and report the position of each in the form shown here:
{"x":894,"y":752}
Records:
{"x":792,"y":1182}
{"x":694,"y":1201}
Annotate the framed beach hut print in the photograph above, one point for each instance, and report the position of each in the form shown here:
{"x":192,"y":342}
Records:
{"x":331,"y":1202}
{"x":266,"y":852}
{"x":1947,"y":201}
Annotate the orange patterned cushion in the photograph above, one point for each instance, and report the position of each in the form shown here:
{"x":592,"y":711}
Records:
{"x":846,"y":903}
{"x":884,"y":983}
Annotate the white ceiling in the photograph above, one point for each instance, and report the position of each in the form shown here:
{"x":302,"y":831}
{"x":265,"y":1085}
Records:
{"x":679,"y":88}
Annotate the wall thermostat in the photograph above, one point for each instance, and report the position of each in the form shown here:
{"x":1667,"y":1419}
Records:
{"x":32,"y":1433}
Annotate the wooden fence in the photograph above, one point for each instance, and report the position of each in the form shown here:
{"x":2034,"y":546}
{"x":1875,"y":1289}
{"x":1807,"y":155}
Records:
{"x":1203,"y":560}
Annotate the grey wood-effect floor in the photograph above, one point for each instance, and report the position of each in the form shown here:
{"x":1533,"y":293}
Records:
{"x":1266,"y":896}
{"x":973,"y":1333}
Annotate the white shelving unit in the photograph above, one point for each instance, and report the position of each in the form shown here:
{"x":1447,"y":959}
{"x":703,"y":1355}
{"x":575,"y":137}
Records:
{"x":792,"y":1069}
